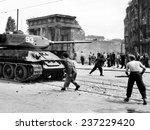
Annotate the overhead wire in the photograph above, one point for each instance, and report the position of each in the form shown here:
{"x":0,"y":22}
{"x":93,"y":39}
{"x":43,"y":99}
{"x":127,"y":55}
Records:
{"x":32,"y":6}
{"x":41,"y":4}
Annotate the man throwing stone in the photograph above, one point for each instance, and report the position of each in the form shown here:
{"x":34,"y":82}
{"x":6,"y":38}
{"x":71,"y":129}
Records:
{"x":137,"y":69}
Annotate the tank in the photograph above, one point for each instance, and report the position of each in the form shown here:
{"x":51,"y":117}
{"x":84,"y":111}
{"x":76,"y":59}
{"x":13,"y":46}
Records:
{"x":25,"y":58}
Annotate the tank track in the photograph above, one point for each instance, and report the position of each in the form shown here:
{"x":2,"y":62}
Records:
{"x":20,"y":72}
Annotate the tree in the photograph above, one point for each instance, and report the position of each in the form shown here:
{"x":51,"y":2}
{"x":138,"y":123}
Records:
{"x":10,"y":26}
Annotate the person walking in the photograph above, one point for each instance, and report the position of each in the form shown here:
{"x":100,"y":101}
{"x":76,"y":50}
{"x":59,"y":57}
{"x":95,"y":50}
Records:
{"x":90,"y":58}
{"x":98,"y":64}
{"x":113,"y":58}
{"x":105,"y":56}
{"x":137,"y":69}
{"x":82,"y":58}
{"x":137,"y":56}
{"x":123,"y":60}
{"x":145,"y":59}
{"x":118,"y":59}
{"x":71,"y":72}
{"x":93,"y":58}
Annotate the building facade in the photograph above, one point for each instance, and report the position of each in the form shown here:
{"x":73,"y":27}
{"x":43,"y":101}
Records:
{"x":137,"y":27}
{"x":57,"y":27}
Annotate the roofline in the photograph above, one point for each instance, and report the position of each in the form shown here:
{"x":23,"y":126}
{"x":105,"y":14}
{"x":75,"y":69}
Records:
{"x":50,"y":16}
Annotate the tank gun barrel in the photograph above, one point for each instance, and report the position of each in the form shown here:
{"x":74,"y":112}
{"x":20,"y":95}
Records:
{"x":67,"y":42}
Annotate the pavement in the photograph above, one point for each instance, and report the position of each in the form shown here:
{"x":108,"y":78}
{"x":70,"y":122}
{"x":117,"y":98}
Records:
{"x":105,"y":68}
{"x":46,"y":97}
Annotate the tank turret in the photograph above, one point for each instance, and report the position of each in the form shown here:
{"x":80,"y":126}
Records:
{"x":23,"y":41}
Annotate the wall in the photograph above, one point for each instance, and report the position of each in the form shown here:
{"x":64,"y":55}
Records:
{"x":97,"y":46}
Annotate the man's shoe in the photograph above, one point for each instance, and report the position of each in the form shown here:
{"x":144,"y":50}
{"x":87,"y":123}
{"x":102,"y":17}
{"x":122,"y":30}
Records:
{"x":63,"y":89}
{"x":144,"y":102}
{"x":77,"y":87}
{"x":101,"y":75}
{"x":126,"y":100}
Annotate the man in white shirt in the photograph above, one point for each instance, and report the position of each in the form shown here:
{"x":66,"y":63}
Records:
{"x":137,"y":69}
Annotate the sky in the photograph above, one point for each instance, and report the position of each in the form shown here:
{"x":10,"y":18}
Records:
{"x":96,"y":17}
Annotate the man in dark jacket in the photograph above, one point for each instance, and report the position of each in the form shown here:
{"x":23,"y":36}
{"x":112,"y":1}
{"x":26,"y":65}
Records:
{"x":123,"y":59}
{"x":71,"y":72}
{"x":99,"y":62}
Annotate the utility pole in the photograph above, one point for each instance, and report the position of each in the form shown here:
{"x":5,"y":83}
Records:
{"x":17,"y":18}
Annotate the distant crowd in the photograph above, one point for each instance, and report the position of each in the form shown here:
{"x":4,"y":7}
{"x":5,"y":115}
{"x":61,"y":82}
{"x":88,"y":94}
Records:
{"x":111,"y":59}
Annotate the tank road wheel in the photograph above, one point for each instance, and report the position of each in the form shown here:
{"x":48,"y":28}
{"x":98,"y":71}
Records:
{"x":8,"y":71}
{"x":21,"y":73}
{"x":1,"y":70}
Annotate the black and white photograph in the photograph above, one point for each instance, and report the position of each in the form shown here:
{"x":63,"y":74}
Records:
{"x":75,"y":56}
